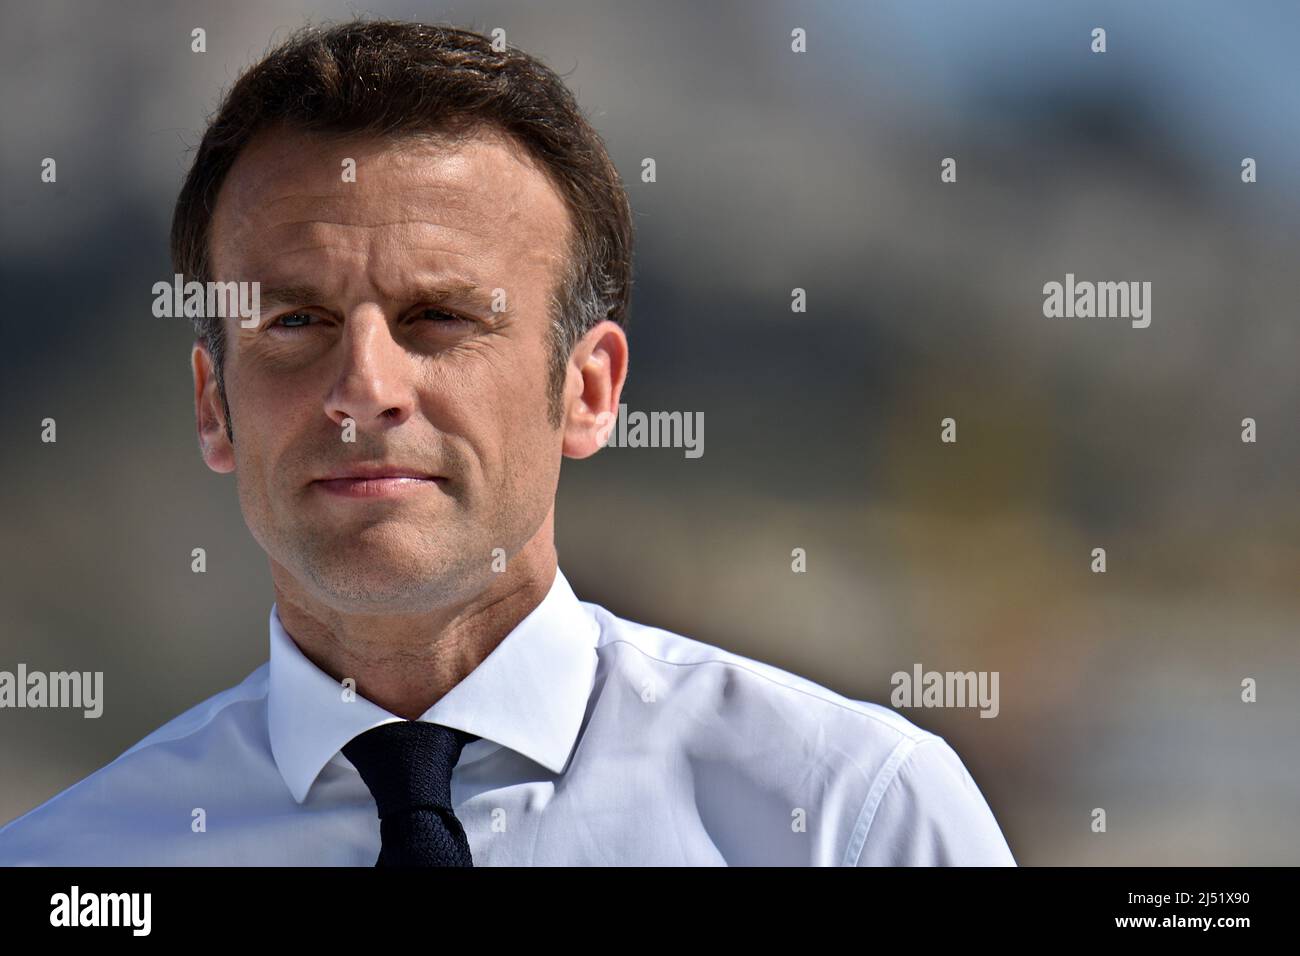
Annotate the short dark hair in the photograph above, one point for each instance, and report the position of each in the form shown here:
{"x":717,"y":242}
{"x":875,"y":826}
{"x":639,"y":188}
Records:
{"x":390,"y":78}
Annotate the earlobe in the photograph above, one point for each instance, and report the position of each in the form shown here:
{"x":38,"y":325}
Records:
{"x":218,"y":454}
{"x":605,"y":422}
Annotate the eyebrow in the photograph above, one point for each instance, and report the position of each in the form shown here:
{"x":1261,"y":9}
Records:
{"x":290,"y":295}
{"x":435,"y":292}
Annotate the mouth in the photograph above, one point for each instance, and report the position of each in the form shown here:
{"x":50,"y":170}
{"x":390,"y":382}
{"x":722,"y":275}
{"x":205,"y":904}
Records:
{"x":377,"y":484}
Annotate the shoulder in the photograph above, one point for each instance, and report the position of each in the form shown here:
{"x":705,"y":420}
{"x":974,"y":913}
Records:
{"x":888,"y":791}
{"x":928,"y":811}
{"x":108,"y":806}
{"x":671,"y":663}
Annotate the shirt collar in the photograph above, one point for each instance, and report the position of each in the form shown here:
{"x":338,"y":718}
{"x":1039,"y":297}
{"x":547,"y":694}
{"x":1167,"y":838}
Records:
{"x":530,"y":694}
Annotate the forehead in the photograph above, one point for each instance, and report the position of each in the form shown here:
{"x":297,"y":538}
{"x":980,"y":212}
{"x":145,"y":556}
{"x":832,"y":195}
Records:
{"x":480,"y":198}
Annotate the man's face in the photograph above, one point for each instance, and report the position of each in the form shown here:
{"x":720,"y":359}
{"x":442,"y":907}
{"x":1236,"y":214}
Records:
{"x":389,"y":322}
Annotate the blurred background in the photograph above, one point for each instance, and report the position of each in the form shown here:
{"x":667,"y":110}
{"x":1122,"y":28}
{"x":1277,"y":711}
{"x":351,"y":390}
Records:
{"x":775,"y":170}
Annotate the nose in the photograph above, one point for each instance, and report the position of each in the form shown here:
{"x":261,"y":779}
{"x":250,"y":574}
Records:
{"x":372,"y":387}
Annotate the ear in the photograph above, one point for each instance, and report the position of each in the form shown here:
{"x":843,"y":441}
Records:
{"x":597,"y":370}
{"x":218,"y":453}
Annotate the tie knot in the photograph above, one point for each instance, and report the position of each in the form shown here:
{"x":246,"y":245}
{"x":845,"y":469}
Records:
{"x":407,"y":764}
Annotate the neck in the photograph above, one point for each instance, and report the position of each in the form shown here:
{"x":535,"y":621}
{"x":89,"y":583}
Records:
{"x":406,"y":662}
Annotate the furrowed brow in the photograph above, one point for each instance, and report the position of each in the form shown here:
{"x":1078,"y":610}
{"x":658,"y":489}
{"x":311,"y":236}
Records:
{"x":436,"y":293}
{"x":453,"y":291}
{"x":290,"y":295}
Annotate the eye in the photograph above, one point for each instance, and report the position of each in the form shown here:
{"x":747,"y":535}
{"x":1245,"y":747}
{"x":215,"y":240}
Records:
{"x":439,"y":317}
{"x":301,"y":320}
{"x":287,"y":320}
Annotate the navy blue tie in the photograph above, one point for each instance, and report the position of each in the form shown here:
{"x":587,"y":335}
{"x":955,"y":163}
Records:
{"x":407,"y":766}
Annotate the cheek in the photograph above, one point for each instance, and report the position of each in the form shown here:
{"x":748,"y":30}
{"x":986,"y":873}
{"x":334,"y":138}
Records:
{"x":267,"y":415}
{"x":500,"y":403}
{"x":282,"y":394}
{"x":523,"y":454}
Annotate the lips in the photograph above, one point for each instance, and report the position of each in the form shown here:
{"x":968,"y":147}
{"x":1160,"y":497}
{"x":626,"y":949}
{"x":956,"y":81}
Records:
{"x":376,"y":470}
{"x":384,"y":486}
{"x":376,"y":480}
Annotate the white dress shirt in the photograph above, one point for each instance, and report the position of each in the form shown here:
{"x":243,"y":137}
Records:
{"x":604,"y":742}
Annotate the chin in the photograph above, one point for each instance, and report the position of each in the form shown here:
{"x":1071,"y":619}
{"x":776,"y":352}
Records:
{"x":383,"y":582}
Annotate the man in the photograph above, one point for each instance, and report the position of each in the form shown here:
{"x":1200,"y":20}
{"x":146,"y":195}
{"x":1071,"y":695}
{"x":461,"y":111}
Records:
{"x":442,"y":250}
